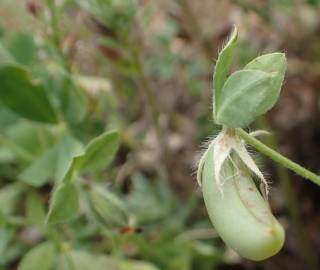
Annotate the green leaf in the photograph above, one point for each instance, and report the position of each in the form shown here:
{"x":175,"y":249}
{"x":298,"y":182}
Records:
{"x":134,"y":265}
{"x":73,"y":168}
{"x":5,"y":56}
{"x":53,"y":164}
{"x":69,"y":148}
{"x":64,"y":204}
{"x":7,"y":237}
{"x":6,"y":155}
{"x":85,"y":260}
{"x":100,"y":152}
{"x":245,"y":95}
{"x":70,"y":100}
{"x":40,"y":171}
{"x":157,"y":196}
{"x":222,"y":67}
{"x":7,"y":117}
{"x":275,"y":64}
{"x":40,"y":257}
{"x":107,"y":207}
{"x":73,"y":102}
{"x":28,"y":140}
{"x":9,"y":197}
{"x":23,"y":48}
{"x":23,"y":96}
{"x":34,"y":209}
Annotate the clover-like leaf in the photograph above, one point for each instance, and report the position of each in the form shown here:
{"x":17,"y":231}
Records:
{"x":35,"y":212}
{"x":23,"y":96}
{"x":83,"y":260}
{"x":100,"y":151}
{"x":98,"y":154}
{"x":107,"y":207}
{"x":70,"y":99}
{"x":246,"y":95}
{"x":23,"y":48}
{"x":53,"y":164}
{"x":5,"y":56}
{"x":9,"y":197}
{"x":40,"y":257}
{"x":275,"y":64}
{"x":64,"y":203}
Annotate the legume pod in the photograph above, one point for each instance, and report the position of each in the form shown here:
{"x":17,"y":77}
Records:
{"x":241,"y":216}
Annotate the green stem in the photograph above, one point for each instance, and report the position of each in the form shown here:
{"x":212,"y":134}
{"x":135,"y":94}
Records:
{"x":277,"y":157}
{"x":147,"y":86}
{"x":56,"y":35}
{"x":54,"y":22}
{"x":69,"y":259}
{"x":54,"y":236}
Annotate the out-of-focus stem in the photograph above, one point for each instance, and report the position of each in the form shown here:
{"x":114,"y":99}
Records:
{"x":54,"y":236}
{"x":54,"y":22}
{"x":147,"y":87}
{"x":56,"y":33}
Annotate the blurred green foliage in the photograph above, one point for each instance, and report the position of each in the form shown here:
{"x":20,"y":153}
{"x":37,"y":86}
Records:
{"x":48,"y":119}
{"x":101,"y":105}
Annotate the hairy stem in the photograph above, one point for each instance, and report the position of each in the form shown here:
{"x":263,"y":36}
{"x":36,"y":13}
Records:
{"x":277,"y":157}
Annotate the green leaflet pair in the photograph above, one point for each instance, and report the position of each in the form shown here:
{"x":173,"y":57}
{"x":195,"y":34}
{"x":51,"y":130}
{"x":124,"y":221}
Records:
{"x":238,"y":210}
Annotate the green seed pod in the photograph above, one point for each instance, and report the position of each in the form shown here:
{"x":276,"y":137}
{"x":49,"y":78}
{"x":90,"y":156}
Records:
{"x":107,"y":207}
{"x":240,"y":214}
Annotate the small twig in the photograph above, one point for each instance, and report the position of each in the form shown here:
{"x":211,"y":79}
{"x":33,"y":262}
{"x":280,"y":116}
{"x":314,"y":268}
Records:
{"x":56,"y":35}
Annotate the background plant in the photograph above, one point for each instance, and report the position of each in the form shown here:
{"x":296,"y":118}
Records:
{"x":144,"y":71}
